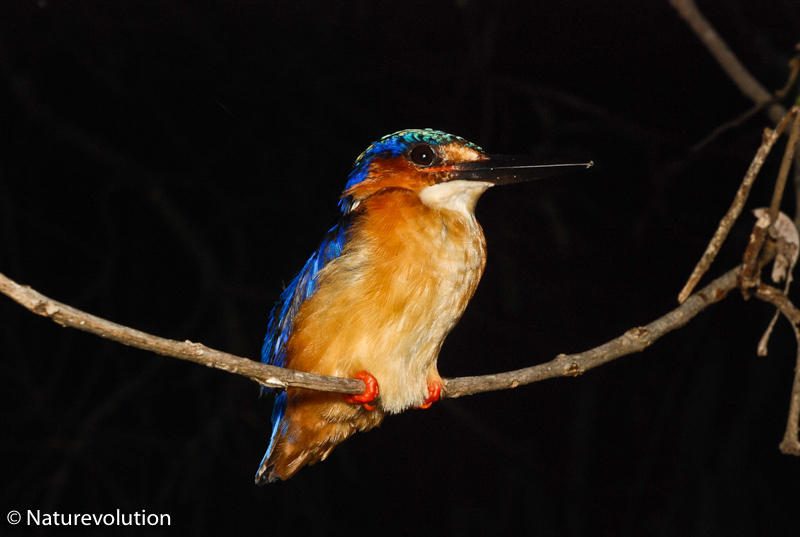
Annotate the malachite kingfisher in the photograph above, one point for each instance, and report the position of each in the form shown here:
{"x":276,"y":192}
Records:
{"x":378,"y":297}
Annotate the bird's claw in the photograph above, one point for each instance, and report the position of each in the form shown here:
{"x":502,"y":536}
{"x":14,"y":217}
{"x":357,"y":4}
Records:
{"x":370,"y":393}
{"x":434,"y":394}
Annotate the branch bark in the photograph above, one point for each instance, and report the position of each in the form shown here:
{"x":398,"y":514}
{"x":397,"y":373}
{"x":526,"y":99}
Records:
{"x":266,"y":375}
{"x":564,"y":365}
{"x":632,"y":341}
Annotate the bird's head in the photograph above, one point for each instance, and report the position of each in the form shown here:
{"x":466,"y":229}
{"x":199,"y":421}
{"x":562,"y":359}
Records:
{"x":445,"y":170}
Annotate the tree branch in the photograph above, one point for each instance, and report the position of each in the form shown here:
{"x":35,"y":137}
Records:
{"x":725,"y":225}
{"x":740,"y":76}
{"x":266,"y":375}
{"x":632,"y":341}
{"x":790,"y":445}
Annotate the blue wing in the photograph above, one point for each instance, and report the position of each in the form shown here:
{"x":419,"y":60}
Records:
{"x":299,"y":289}
{"x":281,"y":320}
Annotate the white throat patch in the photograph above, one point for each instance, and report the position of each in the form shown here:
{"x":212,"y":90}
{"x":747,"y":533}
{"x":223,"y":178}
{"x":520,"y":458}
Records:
{"x":459,"y":195}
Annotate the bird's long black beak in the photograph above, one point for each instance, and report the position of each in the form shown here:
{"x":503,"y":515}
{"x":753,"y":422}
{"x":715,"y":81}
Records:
{"x":505,"y":170}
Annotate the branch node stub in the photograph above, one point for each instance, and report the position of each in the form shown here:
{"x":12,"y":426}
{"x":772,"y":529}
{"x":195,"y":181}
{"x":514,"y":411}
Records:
{"x":198,"y":348}
{"x":38,"y":307}
{"x":273,"y":383}
{"x":638,"y":332}
{"x":574,"y":369}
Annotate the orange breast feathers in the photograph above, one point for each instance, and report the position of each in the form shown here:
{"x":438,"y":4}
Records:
{"x":387,"y":303}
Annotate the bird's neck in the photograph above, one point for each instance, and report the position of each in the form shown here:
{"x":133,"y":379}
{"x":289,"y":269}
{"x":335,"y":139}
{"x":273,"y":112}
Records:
{"x":436,"y":226}
{"x":457,"y":197}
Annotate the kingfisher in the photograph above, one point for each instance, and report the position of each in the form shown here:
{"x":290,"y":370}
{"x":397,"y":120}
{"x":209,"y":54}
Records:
{"x":379,"y":295}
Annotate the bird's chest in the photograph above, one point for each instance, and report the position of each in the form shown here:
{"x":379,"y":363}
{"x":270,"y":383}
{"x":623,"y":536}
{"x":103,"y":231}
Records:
{"x":421,"y":290}
{"x":449,"y":264}
{"x":389,"y":301}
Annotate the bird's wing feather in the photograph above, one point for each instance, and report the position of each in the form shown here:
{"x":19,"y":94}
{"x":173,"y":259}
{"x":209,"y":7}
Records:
{"x":303,"y":285}
{"x":281,"y":320}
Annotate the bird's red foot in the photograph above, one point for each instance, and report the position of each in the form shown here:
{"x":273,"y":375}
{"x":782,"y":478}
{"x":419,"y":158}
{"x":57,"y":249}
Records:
{"x":434,"y":393}
{"x":370,"y":394}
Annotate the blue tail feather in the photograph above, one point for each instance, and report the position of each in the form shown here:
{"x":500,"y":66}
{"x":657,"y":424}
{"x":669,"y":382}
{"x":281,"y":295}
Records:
{"x":278,"y":428}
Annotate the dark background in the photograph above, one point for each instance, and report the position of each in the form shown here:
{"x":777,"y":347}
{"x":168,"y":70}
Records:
{"x":169,"y":165}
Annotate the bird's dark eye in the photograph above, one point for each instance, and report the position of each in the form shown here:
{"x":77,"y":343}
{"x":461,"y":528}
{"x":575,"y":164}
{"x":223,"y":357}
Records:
{"x":423,"y":155}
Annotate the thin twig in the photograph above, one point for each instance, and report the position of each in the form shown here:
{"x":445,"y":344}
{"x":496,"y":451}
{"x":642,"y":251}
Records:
{"x":763,"y":343}
{"x":718,"y":48}
{"x":634,"y":340}
{"x":783,"y":172}
{"x":728,"y":125}
{"x":751,"y":268}
{"x":774,"y":296}
{"x":725,"y":225}
{"x":790,"y":445}
{"x":786,"y":245}
{"x":794,"y":70}
{"x":745,"y":81}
